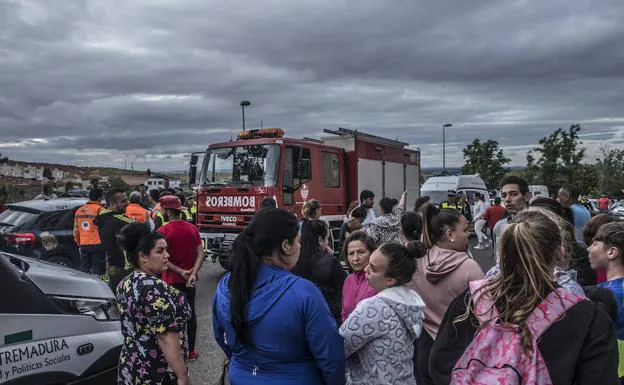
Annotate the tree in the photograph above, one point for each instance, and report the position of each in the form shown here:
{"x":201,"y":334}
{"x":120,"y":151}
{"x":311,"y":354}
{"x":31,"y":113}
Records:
{"x":531,"y":170}
{"x":610,"y":166}
{"x":486,"y":159}
{"x":559,"y":160}
{"x":587,"y":179}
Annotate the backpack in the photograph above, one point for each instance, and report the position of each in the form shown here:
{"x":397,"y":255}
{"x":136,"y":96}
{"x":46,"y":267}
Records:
{"x":496,"y":356}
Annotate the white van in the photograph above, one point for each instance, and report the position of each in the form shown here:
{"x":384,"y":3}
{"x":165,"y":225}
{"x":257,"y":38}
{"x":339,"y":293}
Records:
{"x":538,"y":191}
{"x":437,"y":188}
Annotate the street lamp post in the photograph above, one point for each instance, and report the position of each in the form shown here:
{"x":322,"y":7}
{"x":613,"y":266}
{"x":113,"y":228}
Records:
{"x":444,"y":126}
{"x":243,"y":104}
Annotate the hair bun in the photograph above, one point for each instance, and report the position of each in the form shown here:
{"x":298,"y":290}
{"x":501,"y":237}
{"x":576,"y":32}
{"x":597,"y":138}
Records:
{"x":416,"y":249}
{"x":131,"y":235}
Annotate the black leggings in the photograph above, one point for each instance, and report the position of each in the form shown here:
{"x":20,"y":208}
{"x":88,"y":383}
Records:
{"x":191,"y":325}
{"x":425,"y":343}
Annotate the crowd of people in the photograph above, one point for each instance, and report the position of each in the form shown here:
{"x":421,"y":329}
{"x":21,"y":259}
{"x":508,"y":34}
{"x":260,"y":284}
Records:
{"x":149,"y":250}
{"x":411,"y":307}
{"x":415,"y":308}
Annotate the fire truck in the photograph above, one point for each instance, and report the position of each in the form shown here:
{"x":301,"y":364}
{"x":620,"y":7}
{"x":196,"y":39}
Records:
{"x":236,"y":175}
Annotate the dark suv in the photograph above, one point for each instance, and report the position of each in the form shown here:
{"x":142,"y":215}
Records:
{"x":42,"y":229}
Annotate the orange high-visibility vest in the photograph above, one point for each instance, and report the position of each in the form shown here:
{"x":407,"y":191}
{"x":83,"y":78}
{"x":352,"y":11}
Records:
{"x":138,"y":213}
{"x":85,"y":231}
{"x":156,"y":211}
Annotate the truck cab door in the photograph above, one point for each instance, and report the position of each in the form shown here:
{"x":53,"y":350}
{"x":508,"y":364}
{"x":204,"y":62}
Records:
{"x":297,"y":171}
{"x":197,"y":158}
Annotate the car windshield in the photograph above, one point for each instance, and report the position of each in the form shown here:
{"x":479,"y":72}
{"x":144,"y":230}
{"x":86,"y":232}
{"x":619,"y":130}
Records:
{"x":14,"y":217}
{"x":436,"y":197}
{"x":241,"y":165}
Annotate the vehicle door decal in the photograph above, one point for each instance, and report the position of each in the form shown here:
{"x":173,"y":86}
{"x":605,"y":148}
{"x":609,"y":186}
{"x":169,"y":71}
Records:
{"x":18,"y":337}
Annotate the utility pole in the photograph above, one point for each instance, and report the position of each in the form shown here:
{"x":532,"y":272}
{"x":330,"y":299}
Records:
{"x":444,"y":126}
{"x":243,"y":104}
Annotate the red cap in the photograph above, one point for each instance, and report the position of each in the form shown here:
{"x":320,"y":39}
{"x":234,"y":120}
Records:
{"x":170,"y":202}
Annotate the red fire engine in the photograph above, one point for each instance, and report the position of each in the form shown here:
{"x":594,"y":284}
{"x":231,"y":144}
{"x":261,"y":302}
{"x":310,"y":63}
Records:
{"x":236,"y":175}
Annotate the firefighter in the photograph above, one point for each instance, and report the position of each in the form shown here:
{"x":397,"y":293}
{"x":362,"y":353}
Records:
{"x":454,"y":202}
{"x":192,"y":205}
{"x":110,"y":221}
{"x":185,"y":213}
{"x":585,"y":202}
{"x":86,"y":235}
{"x":465,"y":208}
{"x":137,"y":212}
{"x":160,"y":217}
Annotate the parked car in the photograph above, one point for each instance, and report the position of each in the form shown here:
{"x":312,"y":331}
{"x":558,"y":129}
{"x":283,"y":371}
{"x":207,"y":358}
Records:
{"x":617,"y":210}
{"x":42,"y":229}
{"x":76,"y":193}
{"x":59,"y":326}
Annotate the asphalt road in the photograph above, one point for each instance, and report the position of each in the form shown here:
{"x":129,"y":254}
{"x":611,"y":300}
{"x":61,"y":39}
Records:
{"x":207,"y":368}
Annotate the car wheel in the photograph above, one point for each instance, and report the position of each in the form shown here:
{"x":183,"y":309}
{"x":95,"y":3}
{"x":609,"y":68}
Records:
{"x":60,"y":260}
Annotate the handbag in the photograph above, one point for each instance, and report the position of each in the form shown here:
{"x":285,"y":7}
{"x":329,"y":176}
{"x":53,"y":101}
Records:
{"x":225,"y":373}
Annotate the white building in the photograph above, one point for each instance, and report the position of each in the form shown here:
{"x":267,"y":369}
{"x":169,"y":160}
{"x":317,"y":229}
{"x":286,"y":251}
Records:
{"x":158,"y":182}
{"x":17,"y":170}
{"x":30,"y":171}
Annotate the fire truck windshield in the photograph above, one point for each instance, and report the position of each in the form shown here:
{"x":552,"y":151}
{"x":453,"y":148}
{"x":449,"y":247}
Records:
{"x":255,"y":165}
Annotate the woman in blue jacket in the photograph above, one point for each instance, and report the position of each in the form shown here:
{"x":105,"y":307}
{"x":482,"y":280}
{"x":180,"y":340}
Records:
{"x":275,"y":327}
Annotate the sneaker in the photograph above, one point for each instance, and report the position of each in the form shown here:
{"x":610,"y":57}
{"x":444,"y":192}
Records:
{"x":192,"y":356}
{"x":479,"y":247}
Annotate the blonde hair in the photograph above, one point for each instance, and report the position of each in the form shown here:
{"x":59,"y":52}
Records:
{"x":529,"y":250}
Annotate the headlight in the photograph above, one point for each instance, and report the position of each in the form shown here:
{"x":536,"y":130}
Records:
{"x":100,"y":309}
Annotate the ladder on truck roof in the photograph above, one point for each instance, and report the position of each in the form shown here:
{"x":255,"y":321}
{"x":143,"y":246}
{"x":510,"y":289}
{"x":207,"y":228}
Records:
{"x":373,"y":138}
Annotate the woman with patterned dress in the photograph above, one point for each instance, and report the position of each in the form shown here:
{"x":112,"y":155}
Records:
{"x":153,"y":314}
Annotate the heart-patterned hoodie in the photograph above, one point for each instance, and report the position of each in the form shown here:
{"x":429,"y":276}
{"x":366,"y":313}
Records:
{"x":379,"y":337}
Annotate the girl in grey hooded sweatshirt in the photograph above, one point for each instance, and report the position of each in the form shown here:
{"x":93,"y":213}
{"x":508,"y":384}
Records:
{"x":379,"y":334}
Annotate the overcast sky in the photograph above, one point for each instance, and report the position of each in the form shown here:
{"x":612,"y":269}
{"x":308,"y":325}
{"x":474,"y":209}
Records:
{"x":92,"y":82}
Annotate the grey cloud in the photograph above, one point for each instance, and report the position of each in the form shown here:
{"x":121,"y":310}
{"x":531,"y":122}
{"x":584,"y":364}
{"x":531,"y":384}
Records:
{"x":132,"y":79}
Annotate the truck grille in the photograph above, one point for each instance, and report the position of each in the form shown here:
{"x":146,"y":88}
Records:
{"x":225,"y":219}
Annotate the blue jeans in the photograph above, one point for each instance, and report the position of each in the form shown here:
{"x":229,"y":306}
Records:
{"x":92,"y":259}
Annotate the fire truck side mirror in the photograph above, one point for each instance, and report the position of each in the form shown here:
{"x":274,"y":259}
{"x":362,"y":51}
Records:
{"x":192,"y":175}
{"x":193,"y":170}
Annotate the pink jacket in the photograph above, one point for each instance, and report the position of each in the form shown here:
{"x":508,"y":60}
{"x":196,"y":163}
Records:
{"x":441,"y":275}
{"x":354,"y":290}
